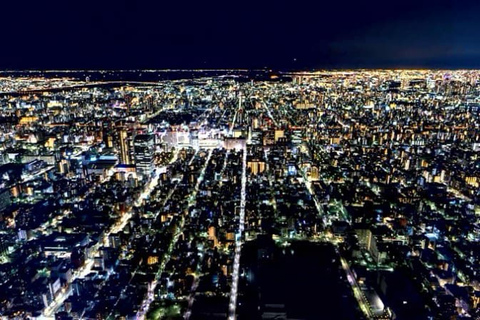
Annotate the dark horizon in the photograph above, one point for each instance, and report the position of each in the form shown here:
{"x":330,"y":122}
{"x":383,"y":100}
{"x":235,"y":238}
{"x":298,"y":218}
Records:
{"x":220,"y":69}
{"x":245,"y":35}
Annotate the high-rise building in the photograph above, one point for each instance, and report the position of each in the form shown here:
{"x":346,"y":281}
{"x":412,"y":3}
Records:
{"x":314,"y":173}
{"x":115,"y":240}
{"x":3,"y":247}
{"x":279,"y":134}
{"x":123,"y":143}
{"x":5,"y":199}
{"x":144,"y":149}
{"x":256,"y":165}
{"x":369,"y":242}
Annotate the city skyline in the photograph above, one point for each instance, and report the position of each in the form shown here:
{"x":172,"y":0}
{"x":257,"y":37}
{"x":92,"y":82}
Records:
{"x":243,"y":160}
{"x":240,"y":195}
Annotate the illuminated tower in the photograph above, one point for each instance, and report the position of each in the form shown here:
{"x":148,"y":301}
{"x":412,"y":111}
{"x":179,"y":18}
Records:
{"x":123,"y":142}
{"x":144,"y":149}
{"x":240,"y":109}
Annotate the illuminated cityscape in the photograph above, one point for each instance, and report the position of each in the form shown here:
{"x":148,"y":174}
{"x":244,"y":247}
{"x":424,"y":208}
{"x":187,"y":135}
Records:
{"x":240,"y":194}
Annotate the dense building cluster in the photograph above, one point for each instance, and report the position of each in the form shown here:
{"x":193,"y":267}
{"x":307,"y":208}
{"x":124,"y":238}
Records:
{"x":349,"y":194}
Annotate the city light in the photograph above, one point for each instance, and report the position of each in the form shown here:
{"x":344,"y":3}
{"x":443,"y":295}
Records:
{"x":236,"y":193}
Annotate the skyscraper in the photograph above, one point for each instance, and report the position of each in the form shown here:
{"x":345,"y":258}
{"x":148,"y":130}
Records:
{"x":144,"y":149}
{"x":123,"y":142}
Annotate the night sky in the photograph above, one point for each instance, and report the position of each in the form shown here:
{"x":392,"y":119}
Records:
{"x":297,"y":34}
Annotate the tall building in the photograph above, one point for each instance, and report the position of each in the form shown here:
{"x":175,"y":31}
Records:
{"x":5,"y":199}
{"x":3,"y":247}
{"x":123,"y":143}
{"x":314,"y":173}
{"x":144,"y":149}
{"x":369,"y":242}
{"x":256,"y":165}
{"x":115,"y":240}
{"x":279,"y":134}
